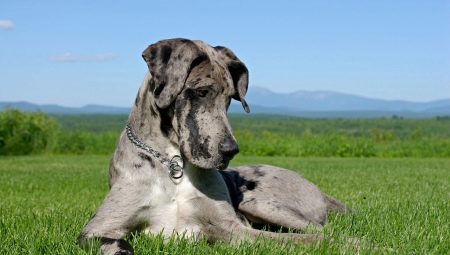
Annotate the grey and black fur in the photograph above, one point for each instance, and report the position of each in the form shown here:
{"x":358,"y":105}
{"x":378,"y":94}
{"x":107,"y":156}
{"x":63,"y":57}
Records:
{"x":181,"y":109}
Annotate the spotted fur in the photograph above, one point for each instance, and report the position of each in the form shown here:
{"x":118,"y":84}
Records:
{"x":180,"y":109}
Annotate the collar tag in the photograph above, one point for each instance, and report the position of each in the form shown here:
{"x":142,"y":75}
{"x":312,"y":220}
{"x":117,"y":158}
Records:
{"x":176,"y":167}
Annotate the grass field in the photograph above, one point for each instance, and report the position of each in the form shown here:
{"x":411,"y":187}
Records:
{"x":401,"y":206}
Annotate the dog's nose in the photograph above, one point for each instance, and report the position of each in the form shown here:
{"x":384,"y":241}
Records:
{"x":228,"y":147}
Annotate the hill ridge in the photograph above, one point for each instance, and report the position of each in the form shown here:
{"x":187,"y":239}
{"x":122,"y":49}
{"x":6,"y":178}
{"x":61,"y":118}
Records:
{"x":305,"y":103}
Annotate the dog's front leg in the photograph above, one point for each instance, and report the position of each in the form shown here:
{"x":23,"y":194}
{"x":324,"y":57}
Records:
{"x":120,"y":213}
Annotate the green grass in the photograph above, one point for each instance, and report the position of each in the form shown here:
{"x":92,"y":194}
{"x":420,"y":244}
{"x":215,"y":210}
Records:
{"x":401,"y":206}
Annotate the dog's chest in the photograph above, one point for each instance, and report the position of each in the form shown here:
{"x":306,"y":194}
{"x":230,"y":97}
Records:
{"x":179,"y":206}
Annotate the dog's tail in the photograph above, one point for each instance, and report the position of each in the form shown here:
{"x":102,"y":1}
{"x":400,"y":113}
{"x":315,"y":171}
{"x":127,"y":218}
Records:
{"x":334,"y":205}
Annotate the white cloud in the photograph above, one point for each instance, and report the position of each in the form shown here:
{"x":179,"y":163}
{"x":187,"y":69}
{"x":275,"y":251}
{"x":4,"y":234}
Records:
{"x":6,"y":24}
{"x":71,"y":57}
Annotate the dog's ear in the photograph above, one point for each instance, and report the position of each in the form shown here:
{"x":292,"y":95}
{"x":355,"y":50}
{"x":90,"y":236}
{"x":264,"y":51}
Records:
{"x":239,"y":73}
{"x":170,"y":62}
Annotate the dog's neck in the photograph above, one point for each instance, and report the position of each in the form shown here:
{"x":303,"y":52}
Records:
{"x":145,"y":120}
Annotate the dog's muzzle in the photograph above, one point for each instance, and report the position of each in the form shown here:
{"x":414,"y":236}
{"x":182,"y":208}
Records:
{"x":227,"y":148}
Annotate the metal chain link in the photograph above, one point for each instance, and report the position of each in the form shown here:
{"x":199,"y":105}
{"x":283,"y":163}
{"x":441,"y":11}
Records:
{"x":174,"y":164}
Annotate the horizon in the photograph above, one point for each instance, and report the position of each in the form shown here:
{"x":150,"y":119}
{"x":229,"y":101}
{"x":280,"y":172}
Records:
{"x":79,"y":53}
{"x":238,"y":103}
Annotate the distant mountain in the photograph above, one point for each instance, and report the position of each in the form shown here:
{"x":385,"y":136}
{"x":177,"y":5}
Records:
{"x":321,"y":104}
{"x":325,"y":101}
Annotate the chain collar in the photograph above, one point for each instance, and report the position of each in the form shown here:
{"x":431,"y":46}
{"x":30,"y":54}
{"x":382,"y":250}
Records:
{"x":175,"y":164}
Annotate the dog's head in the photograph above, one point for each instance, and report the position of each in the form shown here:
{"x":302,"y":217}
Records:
{"x":198,"y":82}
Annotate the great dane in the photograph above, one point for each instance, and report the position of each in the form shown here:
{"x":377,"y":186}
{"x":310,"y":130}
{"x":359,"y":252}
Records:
{"x":169,"y":171}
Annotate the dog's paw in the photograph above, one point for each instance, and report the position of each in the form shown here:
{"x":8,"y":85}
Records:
{"x":115,"y":247}
{"x":124,"y":252}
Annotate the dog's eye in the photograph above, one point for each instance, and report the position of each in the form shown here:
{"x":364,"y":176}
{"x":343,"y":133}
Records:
{"x":201,"y":92}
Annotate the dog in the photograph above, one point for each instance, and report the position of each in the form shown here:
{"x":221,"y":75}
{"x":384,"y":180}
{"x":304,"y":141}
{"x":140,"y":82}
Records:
{"x":169,"y":171}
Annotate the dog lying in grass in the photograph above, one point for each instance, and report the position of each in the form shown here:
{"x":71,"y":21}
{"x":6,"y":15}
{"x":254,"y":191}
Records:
{"x":169,"y":171}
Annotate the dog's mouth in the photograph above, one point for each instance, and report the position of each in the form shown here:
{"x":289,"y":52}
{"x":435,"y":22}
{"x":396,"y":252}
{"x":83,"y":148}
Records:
{"x":224,"y":163}
{"x":220,"y":161}
{"x":220,"y":165}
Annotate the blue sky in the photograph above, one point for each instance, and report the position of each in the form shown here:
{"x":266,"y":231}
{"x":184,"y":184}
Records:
{"x":83,"y":52}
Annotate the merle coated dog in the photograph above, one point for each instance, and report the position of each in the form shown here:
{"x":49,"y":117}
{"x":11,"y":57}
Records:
{"x":169,"y":171}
